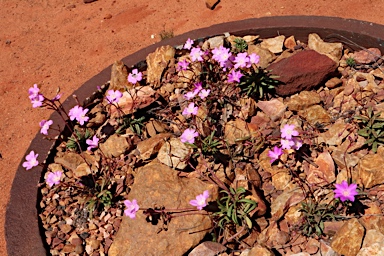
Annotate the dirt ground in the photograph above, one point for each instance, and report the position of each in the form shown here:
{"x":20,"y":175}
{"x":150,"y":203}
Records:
{"x":57,"y":43}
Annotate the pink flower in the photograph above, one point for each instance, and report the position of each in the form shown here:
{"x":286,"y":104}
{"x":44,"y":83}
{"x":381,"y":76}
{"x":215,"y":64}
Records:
{"x":189,"y":95}
{"x":196,"y":54}
{"x":190,"y":110}
{"x":189,"y":136}
{"x":57,"y":97}
{"x":242,"y":60}
{"x":53,"y":178}
{"x":288,"y":131}
{"x":131,"y":208}
{"x":114,"y":96}
{"x":182,"y":65}
{"x":78,"y":113}
{"x":135,"y":76}
{"x":45,"y":126}
{"x":287,"y":144}
{"x":37,"y":101}
{"x":31,"y":160}
{"x":298,"y":143}
{"x":221,"y":55}
{"x":275,"y":154}
{"x":204,"y":93}
{"x":254,"y":58}
{"x":93,"y":143}
{"x":198,"y":87}
{"x":201,"y":200}
{"x":33,"y":91}
{"x":345,"y":191}
{"x":234,"y":76}
{"x":188,"y":44}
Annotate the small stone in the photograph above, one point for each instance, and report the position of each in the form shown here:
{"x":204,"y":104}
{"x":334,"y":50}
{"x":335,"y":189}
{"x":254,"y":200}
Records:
{"x":332,"y":50}
{"x":347,"y":241}
{"x":366,"y":56}
{"x":237,"y":129}
{"x":151,"y":146}
{"x":274,"y":45}
{"x":119,"y":76}
{"x":316,"y":115}
{"x":174,"y":154}
{"x":157,"y":62}
{"x":213,"y":42}
{"x":324,"y":173}
{"x":207,"y":249}
{"x":285,"y":200}
{"x":68,"y":248}
{"x":211,"y":4}
{"x":303,"y":100}
{"x":108,"y":16}
{"x":333,"y":82}
{"x":370,"y":170}
{"x":89,"y":1}
{"x":259,"y":250}
{"x":274,"y":108}
{"x":65,"y":228}
{"x":290,"y":43}
{"x":114,"y":146}
{"x":266,"y":56}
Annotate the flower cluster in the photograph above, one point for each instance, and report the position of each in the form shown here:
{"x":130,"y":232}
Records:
{"x":201,"y":200}
{"x":79,"y":114}
{"x":288,"y":141}
{"x":35,"y":96}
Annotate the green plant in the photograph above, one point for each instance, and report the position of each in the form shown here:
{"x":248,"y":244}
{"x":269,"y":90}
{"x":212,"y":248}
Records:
{"x":135,"y":124}
{"x":101,"y":197}
{"x":240,"y":45}
{"x":257,"y":81}
{"x":210,"y":145}
{"x":351,"y":61}
{"x":234,"y":209}
{"x":314,"y":216}
{"x":372,"y":128}
{"x":78,"y":140}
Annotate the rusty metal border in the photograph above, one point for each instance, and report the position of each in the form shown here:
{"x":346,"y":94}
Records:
{"x":22,"y":230}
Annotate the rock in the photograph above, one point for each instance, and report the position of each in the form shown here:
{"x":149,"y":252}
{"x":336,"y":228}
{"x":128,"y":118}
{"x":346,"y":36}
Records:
{"x":290,"y":43}
{"x":373,"y":249}
{"x":274,"y":108}
{"x":213,"y":42}
{"x":324,"y":173}
{"x":274,"y":45}
{"x":174,"y":154}
{"x":82,"y":170}
{"x":347,"y":241}
{"x":335,"y":134}
{"x":294,"y":215}
{"x":211,"y":4}
{"x":89,"y":1}
{"x":248,"y":108}
{"x":157,"y":62}
{"x":185,"y":76}
{"x":280,"y":176}
{"x":366,"y":56}
{"x":119,"y":76}
{"x":207,"y":248}
{"x":333,"y":82}
{"x":158,"y":185}
{"x":133,"y":99}
{"x":237,"y":129}
{"x":284,"y":201}
{"x":373,"y":244}
{"x":114,"y":146}
{"x":303,"y":100}
{"x":151,"y":146}
{"x":97,"y":116}
{"x":266,"y":57}
{"x":371,"y":170}
{"x":316,"y":115}
{"x":332,"y":50}
{"x":302,"y":71}
{"x":70,"y":160}
{"x":259,"y":250}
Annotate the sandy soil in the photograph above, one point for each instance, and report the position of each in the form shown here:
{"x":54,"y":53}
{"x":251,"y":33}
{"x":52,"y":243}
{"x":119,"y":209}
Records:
{"x":58,"y":43}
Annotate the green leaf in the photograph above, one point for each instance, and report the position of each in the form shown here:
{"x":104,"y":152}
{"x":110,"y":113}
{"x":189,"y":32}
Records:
{"x":249,"y":222}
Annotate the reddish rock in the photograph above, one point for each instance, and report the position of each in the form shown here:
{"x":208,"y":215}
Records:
{"x":367,"y":56}
{"x":302,"y":71}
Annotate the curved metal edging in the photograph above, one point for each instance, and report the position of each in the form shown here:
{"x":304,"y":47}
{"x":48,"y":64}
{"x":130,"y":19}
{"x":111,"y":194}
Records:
{"x":22,"y":226}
